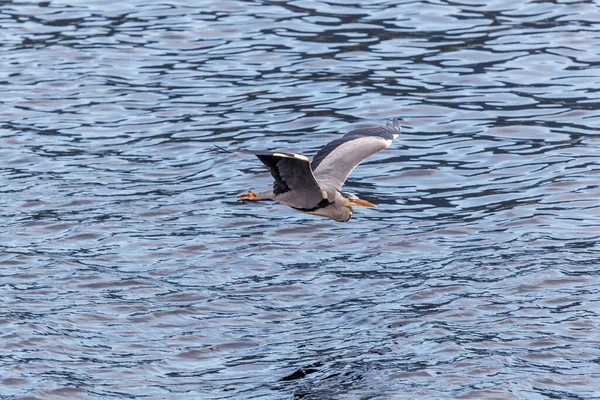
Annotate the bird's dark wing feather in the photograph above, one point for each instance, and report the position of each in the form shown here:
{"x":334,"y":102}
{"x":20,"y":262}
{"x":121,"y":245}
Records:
{"x":295,"y":184}
{"x":334,"y":162}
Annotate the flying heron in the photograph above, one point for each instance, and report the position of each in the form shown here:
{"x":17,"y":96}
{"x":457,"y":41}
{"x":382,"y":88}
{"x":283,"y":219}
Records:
{"x":316,"y":187}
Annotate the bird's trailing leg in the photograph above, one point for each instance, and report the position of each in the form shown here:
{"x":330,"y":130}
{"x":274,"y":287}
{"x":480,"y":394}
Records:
{"x":251,"y":196}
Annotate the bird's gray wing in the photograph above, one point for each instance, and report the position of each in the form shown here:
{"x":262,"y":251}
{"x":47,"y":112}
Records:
{"x":295,"y":185}
{"x":334,"y":162}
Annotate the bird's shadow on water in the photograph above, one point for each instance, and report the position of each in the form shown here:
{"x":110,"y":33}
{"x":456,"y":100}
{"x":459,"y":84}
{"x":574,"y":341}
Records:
{"x":334,"y":376}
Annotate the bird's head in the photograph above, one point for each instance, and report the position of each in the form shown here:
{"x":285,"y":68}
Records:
{"x":351,"y":200}
{"x":344,"y":213}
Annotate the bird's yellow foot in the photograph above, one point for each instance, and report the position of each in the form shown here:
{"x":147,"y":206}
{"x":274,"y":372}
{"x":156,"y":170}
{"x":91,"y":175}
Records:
{"x":250,"y":196}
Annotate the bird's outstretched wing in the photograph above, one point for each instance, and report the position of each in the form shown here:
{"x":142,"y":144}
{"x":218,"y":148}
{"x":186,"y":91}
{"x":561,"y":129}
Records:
{"x":334,"y":162}
{"x":295,"y":185}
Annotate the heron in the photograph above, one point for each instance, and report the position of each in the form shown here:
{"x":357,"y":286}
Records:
{"x":316,"y":187}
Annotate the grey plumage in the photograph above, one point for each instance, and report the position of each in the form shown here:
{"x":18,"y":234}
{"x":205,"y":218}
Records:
{"x":295,"y":184}
{"x":315,"y":188}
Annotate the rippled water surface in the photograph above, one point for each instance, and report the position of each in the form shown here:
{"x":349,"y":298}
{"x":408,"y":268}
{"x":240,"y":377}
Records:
{"x":129,"y":270}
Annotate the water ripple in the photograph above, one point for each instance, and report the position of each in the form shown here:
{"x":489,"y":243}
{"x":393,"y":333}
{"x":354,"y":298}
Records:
{"x":130,"y":270}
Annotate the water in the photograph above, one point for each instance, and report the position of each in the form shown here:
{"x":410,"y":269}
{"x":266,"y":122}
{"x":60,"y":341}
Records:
{"x":129,"y":270}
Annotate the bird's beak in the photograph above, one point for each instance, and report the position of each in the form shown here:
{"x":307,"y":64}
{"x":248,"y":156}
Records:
{"x":359,"y":203}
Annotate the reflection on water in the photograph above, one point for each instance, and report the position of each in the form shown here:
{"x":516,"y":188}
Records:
{"x":129,"y":269}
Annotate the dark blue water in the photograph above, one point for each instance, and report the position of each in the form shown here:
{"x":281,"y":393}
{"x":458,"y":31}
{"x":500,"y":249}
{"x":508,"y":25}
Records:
{"x":129,"y":270}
